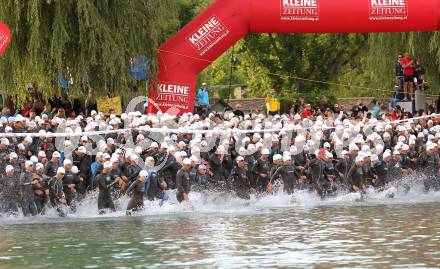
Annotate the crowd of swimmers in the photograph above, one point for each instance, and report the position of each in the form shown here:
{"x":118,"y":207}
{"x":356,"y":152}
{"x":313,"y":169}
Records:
{"x":236,"y":153}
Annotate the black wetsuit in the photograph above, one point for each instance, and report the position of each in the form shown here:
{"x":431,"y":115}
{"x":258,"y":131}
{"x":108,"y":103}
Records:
{"x":261,"y":167}
{"x":3,"y":163}
{"x":137,"y":199}
{"x":275,"y":176}
{"x":405,"y":162}
{"x":104,"y":197}
{"x":220,"y":171}
{"x":250,"y":160}
{"x":56,"y":193}
{"x":84,"y":165}
{"x":202,"y":182}
{"x":430,"y":165}
{"x":241,"y":183}
{"x":27,"y":202}
{"x":193,"y":174}
{"x":182,"y":184}
{"x":300,"y":159}
{"x":355,"y":177}
{"x":133,"y":172}
{"x":40,"y":196}
{"x":290,"y":177}
{"x":342,"y":168}
{"x":350,"y":161}
{"x":368,"y":174}
{"x":318,"y":176}
{"x":51,"y":169}
{"x":116,"y":189}
{"x":9,"y":194}
{"x":70,"y":193}
{"x":160,"y":158}
{"x":153,"y":190}
{"x":169,"y":171}
{"x":381,"y":171}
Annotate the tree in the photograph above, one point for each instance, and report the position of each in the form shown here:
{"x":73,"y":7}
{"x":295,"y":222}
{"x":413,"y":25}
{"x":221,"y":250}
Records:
{"x":340,"y":65}
{"x":89,"y":41}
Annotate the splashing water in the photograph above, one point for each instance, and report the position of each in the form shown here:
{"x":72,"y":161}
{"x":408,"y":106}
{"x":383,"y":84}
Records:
{"x":408,"y":190}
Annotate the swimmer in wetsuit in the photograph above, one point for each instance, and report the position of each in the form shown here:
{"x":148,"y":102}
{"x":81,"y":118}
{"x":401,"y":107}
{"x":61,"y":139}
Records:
{"x":138,"y":189}
{"x":105,"y":182}
{"x":183,"y":181}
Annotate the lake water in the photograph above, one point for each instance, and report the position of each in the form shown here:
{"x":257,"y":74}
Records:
{"x":277,"y":231}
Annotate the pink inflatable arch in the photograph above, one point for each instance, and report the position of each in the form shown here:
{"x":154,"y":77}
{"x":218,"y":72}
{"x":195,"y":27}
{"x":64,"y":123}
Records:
{"x":223,"y":23}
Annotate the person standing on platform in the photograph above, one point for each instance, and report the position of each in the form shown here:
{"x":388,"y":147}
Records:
{"x":203,"y":100}
{"x":399,"y":77}
{"x":408,"y":72}
{"x":273,"y":104}
{"x":421,"y":85}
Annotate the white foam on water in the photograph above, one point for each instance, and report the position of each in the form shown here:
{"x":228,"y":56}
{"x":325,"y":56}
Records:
{"x":227,"y":203}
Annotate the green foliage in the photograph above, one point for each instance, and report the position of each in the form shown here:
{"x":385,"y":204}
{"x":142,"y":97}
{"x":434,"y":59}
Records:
{"x":188,"y":9}
{"x":353,"y":64}
{"x":80,"y":37}
{"x":271,"y":61}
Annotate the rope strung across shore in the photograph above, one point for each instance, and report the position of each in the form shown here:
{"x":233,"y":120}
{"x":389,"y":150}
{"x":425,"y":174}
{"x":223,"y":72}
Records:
{"x":193,"y":131}
{"x":304,"y":79}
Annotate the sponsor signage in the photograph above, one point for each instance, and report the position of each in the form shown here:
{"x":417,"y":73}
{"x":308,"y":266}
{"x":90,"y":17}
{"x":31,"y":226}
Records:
{"x":300,"y":10}
{"x":106,"y":104}
{"x":207,"y":35}
{"x":388,"y":10}
{"x":173,"y":95}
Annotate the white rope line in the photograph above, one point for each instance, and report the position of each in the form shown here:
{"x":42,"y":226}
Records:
{"x":192,"y":131}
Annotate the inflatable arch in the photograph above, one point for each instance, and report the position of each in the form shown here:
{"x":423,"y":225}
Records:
{"x":223,"y":23}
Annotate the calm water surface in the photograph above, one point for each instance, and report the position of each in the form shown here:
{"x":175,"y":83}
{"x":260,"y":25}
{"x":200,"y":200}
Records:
{"x":325,"y":236}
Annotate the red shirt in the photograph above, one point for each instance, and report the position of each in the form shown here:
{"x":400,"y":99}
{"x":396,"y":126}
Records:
{"x":25,"y":111}
{"x":408,"y":70}
{"x":306,"y":113}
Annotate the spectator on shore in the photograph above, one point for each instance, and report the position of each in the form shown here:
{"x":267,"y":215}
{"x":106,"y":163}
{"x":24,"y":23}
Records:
{"x":396,"y":113}
{"x":419,"y":75}
{"x":47,"y":110}
{"x":297,"y":107}
{"x":399,"y":77}
{"x":6,"y":112}
{"x":376,"y":108}
{"x":273,"y":104}
{"x":361,"y":107}
{"x":203,"y":100}
{"x":307,"y":112}
{"x":25,"y":110}
{"x":324,"y":104}
{"x":408,"y":72}
{"x":238,"y":111}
